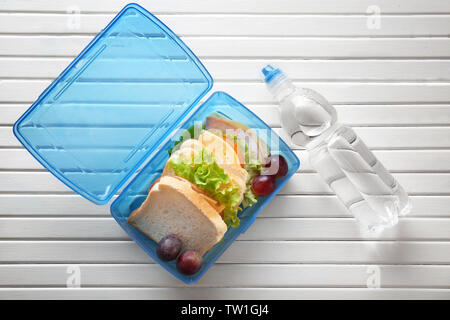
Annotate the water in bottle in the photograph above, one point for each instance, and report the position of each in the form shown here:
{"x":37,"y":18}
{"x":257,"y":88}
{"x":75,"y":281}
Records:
{"x":360,"y":181}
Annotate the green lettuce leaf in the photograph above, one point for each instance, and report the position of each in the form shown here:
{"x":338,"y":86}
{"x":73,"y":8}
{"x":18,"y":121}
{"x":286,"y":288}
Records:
{"x":253,"y":169}
{"x":203,"y":171}
{"x":249,"y":198}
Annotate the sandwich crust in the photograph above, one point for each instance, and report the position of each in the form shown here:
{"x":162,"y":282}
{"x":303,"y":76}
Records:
{"x":173,"y":207}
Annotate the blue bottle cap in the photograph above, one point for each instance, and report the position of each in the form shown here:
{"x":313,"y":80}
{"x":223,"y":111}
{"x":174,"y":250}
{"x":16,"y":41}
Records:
{"x":270,"y":73}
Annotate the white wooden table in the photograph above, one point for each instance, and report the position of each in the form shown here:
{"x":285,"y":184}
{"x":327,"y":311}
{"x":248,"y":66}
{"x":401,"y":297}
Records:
{"x":389,"y":77}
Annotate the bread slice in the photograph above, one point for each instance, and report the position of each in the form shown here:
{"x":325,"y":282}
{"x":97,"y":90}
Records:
{"x":258,"y":147}
{"x":192,"y":144}
{"x":173,"y":207}
{"x":225,"y":156}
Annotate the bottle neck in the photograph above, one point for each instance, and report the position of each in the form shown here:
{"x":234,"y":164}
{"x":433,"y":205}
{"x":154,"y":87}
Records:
{"x":281,"y":87}
{"x":306,"y":116}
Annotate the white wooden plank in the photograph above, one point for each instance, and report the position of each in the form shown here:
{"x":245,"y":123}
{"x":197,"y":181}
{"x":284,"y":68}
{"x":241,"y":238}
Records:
{"x":375,"y":138}
{"x":416,"y":183}
{"x":368,"y":69}
{"x":189,"y":293}
{"x":384,"y":115}
{"x":7,"y":138}
{"x":247,"y":69}
{"x":226,"y":25}
{"x":250,"y":69}
{"x":329,"y":206}
{"x":398,"y":138}
{"x":223,"y":293}
{"x":393,"y":160}
{"x":254,"y":93}
{"x":300,"y":183}
{"x":281,"y":206}
{"x":356,"y":115}
{"x":10,"y":113}
{"x":342,"y":229}
{"x":18,"y":159}
{"x":247,"y":47}
{"x":301,"y":25}
{"x":346,"y":252}
{"x":231,"y":6}
{"x":263,"y":229}
{"x":41,"y":182}
{"x":65,"y":205}
{"x":60,"y":228}
{"x":228,"y":275}
{"x":347,"y":92}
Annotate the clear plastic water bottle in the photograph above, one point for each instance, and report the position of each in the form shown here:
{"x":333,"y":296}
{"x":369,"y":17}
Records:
{"x":360,"y":181}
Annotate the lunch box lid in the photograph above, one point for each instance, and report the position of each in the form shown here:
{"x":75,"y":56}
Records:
{"x":121,"y":97}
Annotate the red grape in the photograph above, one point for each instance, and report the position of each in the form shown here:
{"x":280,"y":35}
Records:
{"x":189,"y":262}
{"x":263,"y":185}
{"x":276,"y":165}
{"x":169,"y":247}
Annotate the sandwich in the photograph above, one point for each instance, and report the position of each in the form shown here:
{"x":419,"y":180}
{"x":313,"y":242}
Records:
{"x":205,"y":183}
{"x":174,"y":207}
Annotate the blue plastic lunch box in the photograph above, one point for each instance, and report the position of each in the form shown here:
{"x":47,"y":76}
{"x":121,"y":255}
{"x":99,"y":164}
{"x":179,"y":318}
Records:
{"x":112,"y":115}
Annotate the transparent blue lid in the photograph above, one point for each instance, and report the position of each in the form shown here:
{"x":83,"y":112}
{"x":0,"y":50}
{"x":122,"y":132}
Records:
{"x":114,"y":104}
